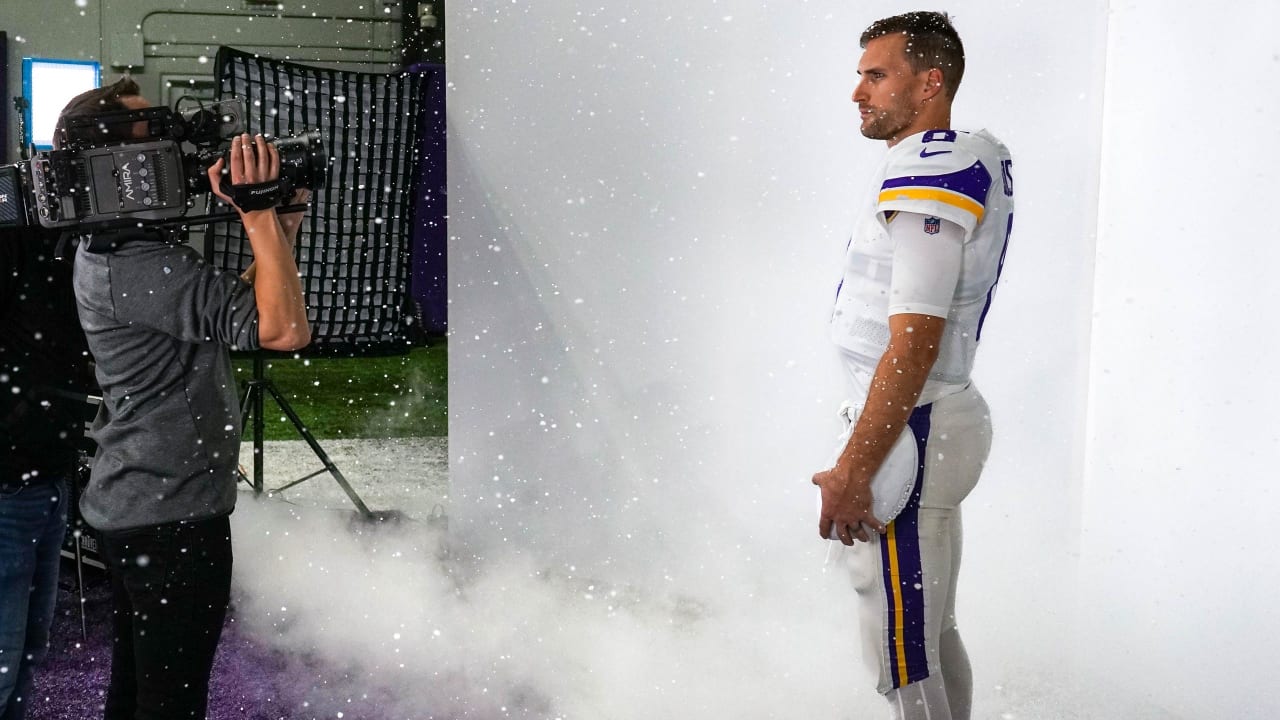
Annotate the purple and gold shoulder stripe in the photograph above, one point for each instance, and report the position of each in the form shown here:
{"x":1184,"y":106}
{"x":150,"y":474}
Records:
{"x":964,"y":189}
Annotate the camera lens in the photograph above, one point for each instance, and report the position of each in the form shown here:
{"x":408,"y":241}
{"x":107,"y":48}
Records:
{"x":303,"y":160}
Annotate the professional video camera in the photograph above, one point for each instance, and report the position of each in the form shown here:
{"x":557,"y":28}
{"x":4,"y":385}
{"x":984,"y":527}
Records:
{"x":98,"y":182}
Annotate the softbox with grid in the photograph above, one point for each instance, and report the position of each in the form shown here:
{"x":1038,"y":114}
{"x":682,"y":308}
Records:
{"x":353,"y":248}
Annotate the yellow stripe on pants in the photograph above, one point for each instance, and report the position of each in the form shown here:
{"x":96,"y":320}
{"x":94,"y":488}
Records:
{"x":895,"y":578}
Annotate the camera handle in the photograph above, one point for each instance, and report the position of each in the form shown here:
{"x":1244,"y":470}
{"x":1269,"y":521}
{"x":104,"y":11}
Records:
{"x":170,"y":231}
{"x":20,"y":103}
{"x":186,"y":222}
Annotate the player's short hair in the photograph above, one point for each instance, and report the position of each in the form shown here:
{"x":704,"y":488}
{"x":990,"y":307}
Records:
{"x":932,"y":42}
{"x":97,"y":101}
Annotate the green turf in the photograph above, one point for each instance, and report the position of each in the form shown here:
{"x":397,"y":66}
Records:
{"x":384,"y":397}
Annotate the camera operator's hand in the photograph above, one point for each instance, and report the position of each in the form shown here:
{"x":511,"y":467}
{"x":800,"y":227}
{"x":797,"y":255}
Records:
{"x":253,"y":161}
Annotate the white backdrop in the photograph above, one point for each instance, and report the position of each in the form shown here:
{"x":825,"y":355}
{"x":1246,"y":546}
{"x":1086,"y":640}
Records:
{"x":1180,"y":494}
{"x":648,"y":206}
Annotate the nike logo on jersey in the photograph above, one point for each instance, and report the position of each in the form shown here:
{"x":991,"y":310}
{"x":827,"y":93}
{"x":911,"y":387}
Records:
{"x":924,"y":153}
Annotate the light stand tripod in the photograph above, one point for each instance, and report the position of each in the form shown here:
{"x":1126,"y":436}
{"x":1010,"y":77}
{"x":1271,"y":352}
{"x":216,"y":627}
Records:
{"x":253,"y":405}
{"x":79,"y":535}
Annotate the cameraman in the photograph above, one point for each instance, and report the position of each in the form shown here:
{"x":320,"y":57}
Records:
{"x":160,"y":322}
{"x":45,"y":374}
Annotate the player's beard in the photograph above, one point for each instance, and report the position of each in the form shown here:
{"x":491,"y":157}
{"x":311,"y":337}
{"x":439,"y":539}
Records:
{"x":887,"y":123}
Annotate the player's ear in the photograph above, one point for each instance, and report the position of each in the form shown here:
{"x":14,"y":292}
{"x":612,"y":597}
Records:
{"x":933,"y":84}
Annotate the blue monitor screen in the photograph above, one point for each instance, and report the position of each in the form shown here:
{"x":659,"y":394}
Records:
{"x":48,"y":85}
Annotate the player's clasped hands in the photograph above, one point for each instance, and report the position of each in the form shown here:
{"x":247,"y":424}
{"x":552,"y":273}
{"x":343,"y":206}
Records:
{"x":845,"y":514}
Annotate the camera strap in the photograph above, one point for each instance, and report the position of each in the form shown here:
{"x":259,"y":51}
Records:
{"x":109,"y":240}
{"x":257,"y":196}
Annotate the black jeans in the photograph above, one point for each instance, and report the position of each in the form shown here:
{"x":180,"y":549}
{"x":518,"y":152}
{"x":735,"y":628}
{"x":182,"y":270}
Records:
{"x":170,"y":586}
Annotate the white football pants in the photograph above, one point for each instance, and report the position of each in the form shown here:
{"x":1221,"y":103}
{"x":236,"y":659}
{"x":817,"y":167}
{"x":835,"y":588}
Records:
{"x":906,"y":579}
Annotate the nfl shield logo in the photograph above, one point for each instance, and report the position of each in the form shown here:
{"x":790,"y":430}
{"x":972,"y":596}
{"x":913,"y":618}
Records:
{"x":932,"y":225}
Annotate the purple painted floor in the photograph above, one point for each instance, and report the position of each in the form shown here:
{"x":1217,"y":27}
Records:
{"x":250,"y":681}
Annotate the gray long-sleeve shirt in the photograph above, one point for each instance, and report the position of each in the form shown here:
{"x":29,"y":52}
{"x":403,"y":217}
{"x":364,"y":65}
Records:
{"x":160,"y":322}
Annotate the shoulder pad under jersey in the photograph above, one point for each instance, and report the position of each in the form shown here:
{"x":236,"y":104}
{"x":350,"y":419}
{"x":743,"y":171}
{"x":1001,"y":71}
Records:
{"x":931,"y":174}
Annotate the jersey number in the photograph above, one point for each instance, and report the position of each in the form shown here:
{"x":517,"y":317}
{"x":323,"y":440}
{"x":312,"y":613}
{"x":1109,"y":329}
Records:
{"x":1006,"y":170}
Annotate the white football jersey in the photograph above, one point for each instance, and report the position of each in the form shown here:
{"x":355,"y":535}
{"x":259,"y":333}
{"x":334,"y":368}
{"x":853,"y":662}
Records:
{"x":962,"y":177}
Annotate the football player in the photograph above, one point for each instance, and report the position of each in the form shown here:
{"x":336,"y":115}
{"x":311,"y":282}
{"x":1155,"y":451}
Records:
{"x":919,"y":276}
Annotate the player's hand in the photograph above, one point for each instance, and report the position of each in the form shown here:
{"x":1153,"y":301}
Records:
{"x":253,"y":160}
{"x":846,"y":507}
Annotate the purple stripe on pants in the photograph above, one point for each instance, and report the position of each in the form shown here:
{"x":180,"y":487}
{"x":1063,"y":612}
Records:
{"x":909,"y":585}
